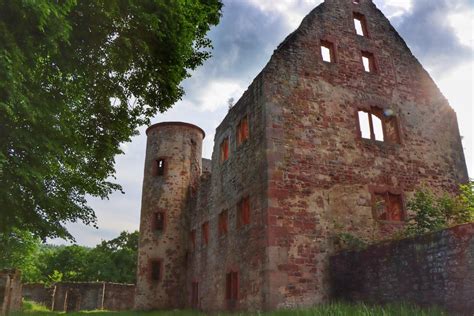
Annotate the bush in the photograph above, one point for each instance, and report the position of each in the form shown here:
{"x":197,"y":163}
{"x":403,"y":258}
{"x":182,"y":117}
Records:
{"x":433,"y":213}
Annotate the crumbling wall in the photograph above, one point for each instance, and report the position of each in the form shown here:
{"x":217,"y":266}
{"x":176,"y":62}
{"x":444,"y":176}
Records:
{"x":322,"y":174}
{"x":431,"y":270}
{"x":77,"y":296}
{"x":10,"y":291}
{"x":39,"y":293}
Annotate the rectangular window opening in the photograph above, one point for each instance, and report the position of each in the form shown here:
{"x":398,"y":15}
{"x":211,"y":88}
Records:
{"x":158,"y":222}
{"x":223,"y":223}
{"x":192,"y":237}
{"x":160,"y":167}
{"x":205,"y":233}
{"x":327,"y":51}
{"x":232,"y":289}
{"x":379,"y":125}
{"x":368,"y":62}
{"x":155,"y":270}
{"x":360,"y":24}
{"x":243,"y":212}
{"x":242,"y":130}
{"x":195,"y":294}
{"x":225,"y":149}
{"x":388,"y":206}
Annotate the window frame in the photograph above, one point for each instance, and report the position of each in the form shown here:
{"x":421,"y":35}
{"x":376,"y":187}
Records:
{"x":394,"y":139}
{"x":363,"y":21}
{"x":232,"y":287}
{"x":386,"y":191}
{"x":373,"y":68}
{"x":223,"y":223}
{"x":154,"y":222}
{"x":205,"y":233}
{"x":332,"y":50}
{"x":243,"y":212}
{"x":156,"y":170}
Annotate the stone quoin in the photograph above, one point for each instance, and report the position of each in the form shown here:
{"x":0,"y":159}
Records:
{"x":334,"y":135}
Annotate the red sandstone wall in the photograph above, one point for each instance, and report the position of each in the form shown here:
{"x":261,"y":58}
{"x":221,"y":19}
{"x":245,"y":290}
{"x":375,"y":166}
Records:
{"x":431,"y":270}
{"x":321,"y":173}
{"x":241,"y":249}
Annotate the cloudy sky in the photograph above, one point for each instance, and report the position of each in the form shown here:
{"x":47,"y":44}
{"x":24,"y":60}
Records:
{"x":440,"y":33}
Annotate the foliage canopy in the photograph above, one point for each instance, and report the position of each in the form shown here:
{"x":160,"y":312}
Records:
{"x":76,"y":79}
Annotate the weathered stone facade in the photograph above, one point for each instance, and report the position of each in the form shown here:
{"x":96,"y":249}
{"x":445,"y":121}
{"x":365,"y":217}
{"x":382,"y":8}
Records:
{"x":431,"y":270}
{"x":77,"y":296}
{"x":10,"y":291}
{"x":306,"y":170}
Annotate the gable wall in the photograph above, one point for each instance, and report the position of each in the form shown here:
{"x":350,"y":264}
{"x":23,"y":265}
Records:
{"x":321,"y":173}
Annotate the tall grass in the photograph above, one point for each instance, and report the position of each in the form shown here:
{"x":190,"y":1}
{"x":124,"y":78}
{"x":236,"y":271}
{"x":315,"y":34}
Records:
{"x":335,"y":309}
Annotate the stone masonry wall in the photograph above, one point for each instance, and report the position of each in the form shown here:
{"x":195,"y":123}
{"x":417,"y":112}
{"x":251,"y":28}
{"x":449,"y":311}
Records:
{"x":180,"y":145}
{"x":436,"y":269}
{"x":75,"y":296}
{"x":242,"y":249}
{"x":321,"y":173}
{"x":10,"y":291}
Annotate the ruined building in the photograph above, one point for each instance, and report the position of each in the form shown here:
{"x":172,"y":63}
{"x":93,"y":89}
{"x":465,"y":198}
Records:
{"x":334,"y":134}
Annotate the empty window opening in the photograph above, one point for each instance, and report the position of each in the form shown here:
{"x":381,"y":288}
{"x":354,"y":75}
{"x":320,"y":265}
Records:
{"x":223,"y":223}
{"x":242,"y":130}
{"x":195,"y":294}
{"x":158,"y":222}
{"x":368,"y":62}
{"x":360,"y":24}
{"x":155,"y":270}
{"x":192,"y":238}
{"x":388,"y":206}
{"x":225,"y":149}
{"x":232,"y":289}
{"x":379,"y":126}
{"x":205,"y":233}
{"x":327,"y":51}
{"x":243,"y":212}
{"x":160,"y":167}
{"x":356,"y":1}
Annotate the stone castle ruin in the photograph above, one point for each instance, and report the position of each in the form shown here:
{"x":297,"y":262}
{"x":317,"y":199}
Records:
{"x":334,"y":134}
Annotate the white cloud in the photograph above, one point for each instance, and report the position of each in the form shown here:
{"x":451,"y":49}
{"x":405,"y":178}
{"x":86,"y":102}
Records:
{"x":215,"y":94}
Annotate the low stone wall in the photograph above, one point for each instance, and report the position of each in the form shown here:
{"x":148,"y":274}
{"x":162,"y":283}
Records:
{"x":76,"y":296}
{"x":435,"y":269}
{"x":10,"y":291}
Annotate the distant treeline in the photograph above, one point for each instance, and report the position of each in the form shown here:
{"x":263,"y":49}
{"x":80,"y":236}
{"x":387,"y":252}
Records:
{"x":111,"y":261}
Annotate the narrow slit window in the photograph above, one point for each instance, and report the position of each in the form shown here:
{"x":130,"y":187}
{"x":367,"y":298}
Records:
{"x":195,"y":294}
{"x":242,"y":130}
{"x":223,"y":223}
{"x":155,"y":270}
{"x":225,"y":149}
{"x":192,"y":238}
{"x":327,"y":51}
{"x":158,"y":222}
{"x":205,"y":233}
{"x":243,"y":212}
{"x":360,"y":24}
{"x":160,"y":167}
{"x":232,"y":289}
{"x":368,"y":62}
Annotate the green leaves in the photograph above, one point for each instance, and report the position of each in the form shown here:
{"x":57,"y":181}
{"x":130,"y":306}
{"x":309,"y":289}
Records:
{"x":433,"y":213}
{"x":61,"y":64}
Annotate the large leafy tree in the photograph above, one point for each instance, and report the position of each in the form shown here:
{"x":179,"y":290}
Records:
{"x":77,"y":77}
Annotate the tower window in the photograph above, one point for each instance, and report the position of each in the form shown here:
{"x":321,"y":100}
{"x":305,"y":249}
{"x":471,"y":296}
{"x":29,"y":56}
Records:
{"x":158,"y":222}
{"x":243,"y":212}
{"x":192,"y":237}
{"x":388,"y":206}
{"x":155,"y":270}
{"x":223,"y":221}
{"x":379,"y":125}
{"x":368,"y":61}
{"x":225,"y":149}
{"x":327,"y":51}
{"x":360,"y":24}
{"x":232,"y":289}
{"x":159,"y":167}
{"x":205,"y":233}
{"x":242,"y":130}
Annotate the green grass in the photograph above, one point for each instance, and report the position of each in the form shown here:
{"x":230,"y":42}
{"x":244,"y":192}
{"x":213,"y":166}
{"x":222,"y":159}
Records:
{"x":336,"y":309}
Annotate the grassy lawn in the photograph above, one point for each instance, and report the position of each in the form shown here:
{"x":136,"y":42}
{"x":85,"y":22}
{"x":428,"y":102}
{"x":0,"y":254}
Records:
{"x":337,"y":309}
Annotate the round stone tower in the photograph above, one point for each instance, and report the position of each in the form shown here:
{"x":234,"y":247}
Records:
{"x":173,"y":166}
